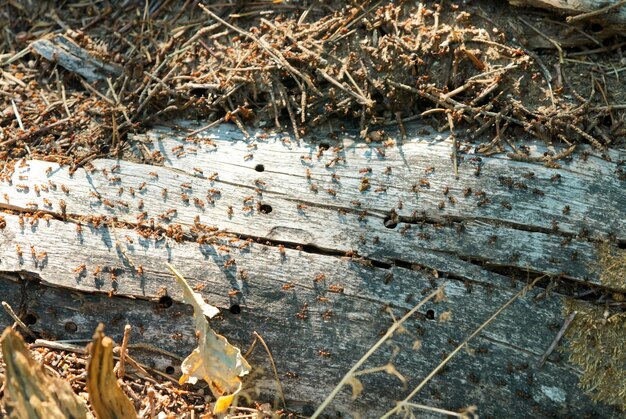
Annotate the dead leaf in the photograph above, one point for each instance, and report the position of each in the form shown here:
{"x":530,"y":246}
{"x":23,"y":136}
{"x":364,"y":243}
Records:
{"x":215,"y":360}
{"x":29,"y":391}
{"x":107,"y":399}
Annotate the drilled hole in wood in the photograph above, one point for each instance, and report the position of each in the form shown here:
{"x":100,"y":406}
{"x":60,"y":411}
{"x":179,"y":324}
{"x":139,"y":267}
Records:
{"x":70,"y":327}
{"x":259,"y":168}
{"x":430,"y":314}
{"x":596,"y":27}
{"x":389,"y":223}
{"x":30,"y":319}
{"x":165,"y":301}
{"x":170,"y":370}
{"x":265,"y":208}
{"x":235,"y":309}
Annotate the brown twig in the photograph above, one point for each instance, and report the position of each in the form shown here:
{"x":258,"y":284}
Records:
{"x":543,"y":35}
{"x":206,"y":127}
{"x":41,"y":130}
{"x":557,"y":339}
{"x":121,"y":370}
{"x":17,"y":320}
{"x":275,"y":54}
{"x":601,"y":11}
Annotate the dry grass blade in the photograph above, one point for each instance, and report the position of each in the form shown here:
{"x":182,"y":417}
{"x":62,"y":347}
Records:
{"x":348,"y":378}
{"x":279,"y":386}
{"x":405,"y":403}
{"x":275,"y":54}
{"x":107,"y":398}
{"x":29,"y":391}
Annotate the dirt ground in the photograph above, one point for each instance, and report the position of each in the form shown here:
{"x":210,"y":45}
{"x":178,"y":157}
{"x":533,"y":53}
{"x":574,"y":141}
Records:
{"x":489,"y":72}
{"x":494,"y":69}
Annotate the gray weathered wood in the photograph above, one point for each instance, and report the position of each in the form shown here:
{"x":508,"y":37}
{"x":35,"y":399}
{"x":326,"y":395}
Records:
{"x":276,"y":288}
{"x":502,"y":362}
{"x":591,"y":188}
{"x":62,"y":50}
{"x":319,"y":224}
{"x":614,"y":18}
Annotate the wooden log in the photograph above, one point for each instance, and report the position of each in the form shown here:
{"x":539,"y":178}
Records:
{"x":502,"y":362}
{"x":316,"y":280}
{"x":537,"y":194}
{"x":554,"y":218}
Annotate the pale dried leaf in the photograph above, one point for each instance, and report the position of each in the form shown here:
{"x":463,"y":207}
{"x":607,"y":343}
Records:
{"x":28,"y":391}
{"x":215,"y":360}
{"x":107,"y":399}
{"x":194,"y":298}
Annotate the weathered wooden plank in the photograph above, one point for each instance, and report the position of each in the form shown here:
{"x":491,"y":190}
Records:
{"x":280,"y":276}
{"x":591,"y":188}
{"x":98,"y":193}
{"x":493,"y":368}
{"x":274,"y":290}
{"x":613,"y":18}
{"x":356,"y":313}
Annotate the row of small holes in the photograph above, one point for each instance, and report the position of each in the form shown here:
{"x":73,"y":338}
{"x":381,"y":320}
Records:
{"x":166,"y":301}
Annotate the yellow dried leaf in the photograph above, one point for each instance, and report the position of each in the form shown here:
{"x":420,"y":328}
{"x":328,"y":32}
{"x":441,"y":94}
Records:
{"x":194,"y":298}
{"x":108,"y":401}
{"x":28,"y":391}
{"x":215,"y":360}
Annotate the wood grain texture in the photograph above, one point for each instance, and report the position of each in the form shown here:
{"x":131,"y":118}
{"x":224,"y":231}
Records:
{"x":538,"y":236}
{"x":328,"y":297}
{"x":63,"y":51}
{"x":537,"y":194}
{"x":502,"y":362}
{"x":614,"y":19}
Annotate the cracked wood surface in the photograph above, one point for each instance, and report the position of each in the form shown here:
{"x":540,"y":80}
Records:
{"x":534,"y":234}
{"x":502,"y":362}
{"x":277,"y":292}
